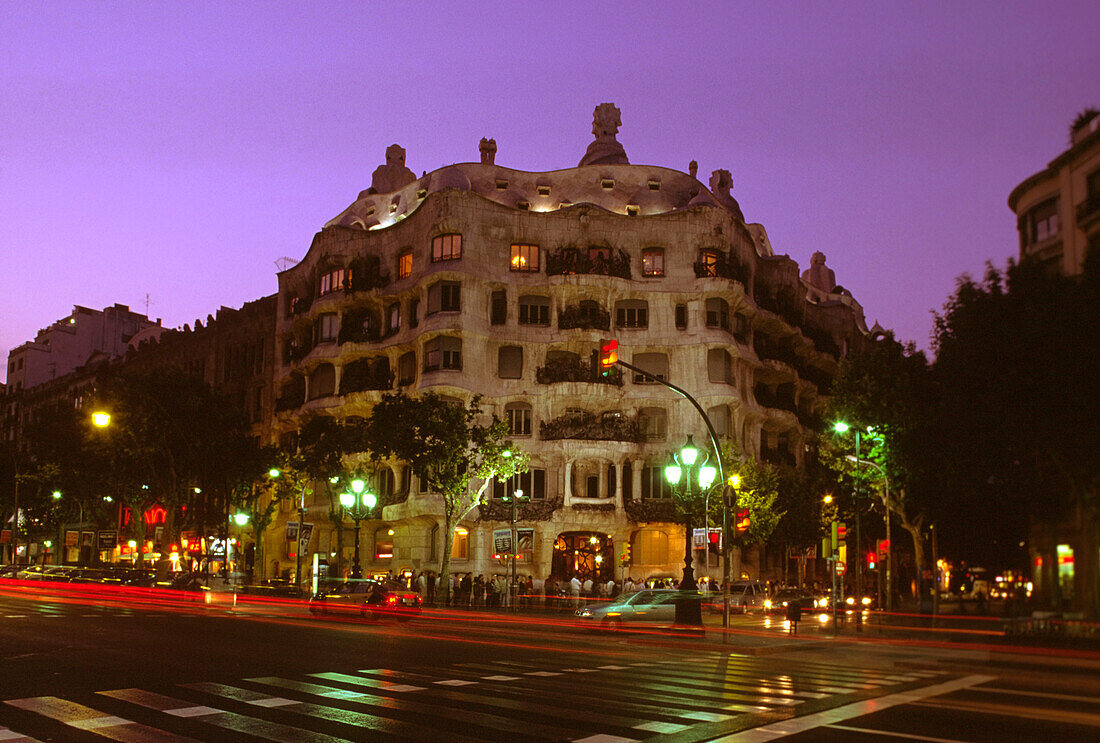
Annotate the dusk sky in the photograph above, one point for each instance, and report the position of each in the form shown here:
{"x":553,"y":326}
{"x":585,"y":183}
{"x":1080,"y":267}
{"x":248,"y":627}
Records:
{"x":177,"y":150}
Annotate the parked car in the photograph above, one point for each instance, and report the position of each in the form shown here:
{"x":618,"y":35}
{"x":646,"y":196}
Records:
{"x":779,"y":602}
{"x":649,"y":605}
{"x":372,"y":599}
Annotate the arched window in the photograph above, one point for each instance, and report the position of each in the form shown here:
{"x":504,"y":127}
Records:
{"x":649,"y":547}
{"x":322,"y":382}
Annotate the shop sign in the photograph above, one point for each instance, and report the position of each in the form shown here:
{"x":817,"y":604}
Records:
{"x":108,"y":540}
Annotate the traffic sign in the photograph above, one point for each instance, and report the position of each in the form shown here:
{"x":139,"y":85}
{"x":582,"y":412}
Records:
{"x":841,"y":567}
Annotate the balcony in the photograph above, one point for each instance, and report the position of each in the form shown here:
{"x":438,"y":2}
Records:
{"x":585,"y":316}
{"x":591,"y":427}
{"x":723,"y":268}
{"x":366,"y":374}
{"x":360,"y":326}
{"x":1088,"y":211}
{"x":768,"y":349}
{"x":571,"y":369}
{"x":570,"y":261}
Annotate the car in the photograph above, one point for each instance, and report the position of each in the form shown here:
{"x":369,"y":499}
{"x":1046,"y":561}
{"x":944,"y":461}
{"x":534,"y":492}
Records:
{"x":782,"y":598}
{"x":370,"y":598}
{"x":649,"y":605}
{"x":747,"y":595}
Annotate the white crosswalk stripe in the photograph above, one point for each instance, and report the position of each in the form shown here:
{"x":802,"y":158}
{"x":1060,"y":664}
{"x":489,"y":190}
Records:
{"x":466,"y":702}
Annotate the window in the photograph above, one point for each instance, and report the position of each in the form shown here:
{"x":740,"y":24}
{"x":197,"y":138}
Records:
{"x":510,"y":362}
{"x":385,"y":481}
{"x":332,"y":281}
{"x":717,"y":313}
{"x":654,"y":484}
{"x":654,"y":363}
{"x":406,"y":369}
{"x":718,"y":365}
{"x":1044,"y":221}
{"x":653,"y":262}
{"x":525,"y":258}
{"x":383,"y":543}
{"x":414,"y":312}
{"x":393,"y":317}
{"x":721,"y":419}
{"x":740,"y":325}
{"x":649,"y":547}
{"x":599,"y":259}
{"x":405,"y":265}
{"x":460,"y":547}
{"x":534,"y":310}
{"x":446,"y":248}
{"x":681,"y":317}
{"x":322,"y":382}
{"x":710,"y":259}
{"x":444,"y":296}
{"x":498,"y":308}
{"x":518,"y":415}
{"x":532,"y":483}
{"x":443,"y":352}
{"x":654,"y":423}
{"x":632,"y":313}
{"x":327,"y":327}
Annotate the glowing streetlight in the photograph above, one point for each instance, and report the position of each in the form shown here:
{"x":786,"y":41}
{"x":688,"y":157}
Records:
{"x":101,"y":419}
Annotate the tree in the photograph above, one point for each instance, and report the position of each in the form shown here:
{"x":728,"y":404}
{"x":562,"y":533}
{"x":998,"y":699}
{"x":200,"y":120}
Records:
{"x":888,"y":388}
{"x":445,"y":444}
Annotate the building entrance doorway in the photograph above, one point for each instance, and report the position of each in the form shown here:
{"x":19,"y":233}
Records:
{"x":584,"y":554}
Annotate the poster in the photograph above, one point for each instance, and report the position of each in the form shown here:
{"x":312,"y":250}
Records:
{"x":305,"y":535}
{"x":108,"y":540}
{"x":72,"y":537}
{"x":502,"y":541}
{"x":291,"y":531}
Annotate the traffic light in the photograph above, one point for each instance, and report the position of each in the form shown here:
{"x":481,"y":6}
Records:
{"x":742,"y":524}
{"x":625,"y":559}
{"x":871,"y":560}
{"x":609,"y":356}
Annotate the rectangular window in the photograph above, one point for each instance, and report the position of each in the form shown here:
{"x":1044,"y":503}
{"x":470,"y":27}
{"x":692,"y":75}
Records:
{"x":414,"y":312}
{"x":534,"y":310}
{"x":632,"y":313}
{"x":717,"y":313}
{"x":1044,"y":221}
{"x":599,"y":260}
{"x":444,"y":296}
{"x":460,"y":548}
{"x":405,"y":265}
{"x":654,"y":363}
{"x":394,"y":317}
{"x":525,"y":258}
{"x":653,"y":262}
{"x":444,"y":352}
{"x":332,"y":281}
{"x":532,"y":483}
{"x":406,"y":369}
{"x":654,"y":484}
{"x":681,"y":317}
{"x":510,"y":362}
{"x":710,"y":260}
{"x":327,"y":327}
{"x":654,"y":423}
{"x":446,"y":248}
{"x":498,"y":308}
{"x":519,"y":419}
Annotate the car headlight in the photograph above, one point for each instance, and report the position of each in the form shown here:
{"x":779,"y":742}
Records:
{"x":850,"y":601}
{"x":767,"y":603}
{"x":866,"y":600}
{"x":584,"y":612}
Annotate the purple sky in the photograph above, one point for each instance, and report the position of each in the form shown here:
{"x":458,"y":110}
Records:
{"x":179,"y":149}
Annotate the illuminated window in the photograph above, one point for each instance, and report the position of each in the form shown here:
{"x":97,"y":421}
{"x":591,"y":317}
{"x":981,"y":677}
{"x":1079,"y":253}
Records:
{"x":653,"y":262}
{"x":460,"y":548}
{"x":649,"y":547}
{"x":383,"y":543}
{"x":332,"y":281}
{"x":518,"y":415}
{"x":710,"y":260}
{"x":534,"y":310}
{"x":405,"y":265}
{"x":632,"y":313}
{"x":525,"y":258}
{"x":446,"y":248}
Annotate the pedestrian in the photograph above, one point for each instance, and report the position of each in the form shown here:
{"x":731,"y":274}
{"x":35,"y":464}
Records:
{"x":587,"y":587}
{"x":575,"y":591}
{"x":422,"y":584}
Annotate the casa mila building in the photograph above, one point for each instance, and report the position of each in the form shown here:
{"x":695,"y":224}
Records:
{"x":481,"y":279}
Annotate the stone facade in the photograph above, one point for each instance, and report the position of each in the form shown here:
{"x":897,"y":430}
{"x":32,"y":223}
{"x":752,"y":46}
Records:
{"x":477,"y":279}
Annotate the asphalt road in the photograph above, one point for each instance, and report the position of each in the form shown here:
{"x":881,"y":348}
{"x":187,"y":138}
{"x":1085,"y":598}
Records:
{"x":86,"y":667}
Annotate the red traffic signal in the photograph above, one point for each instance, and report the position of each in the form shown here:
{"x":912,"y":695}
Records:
{"x":742,"y":524}
{"x":609,"y":356}
{"x":841,"y":531}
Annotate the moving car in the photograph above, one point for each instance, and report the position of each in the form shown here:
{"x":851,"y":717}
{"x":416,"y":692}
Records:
{"x":650,"y":605}
{"x":778,"y":603}
{"x":747,"y":595}
{"x":373,"y":599}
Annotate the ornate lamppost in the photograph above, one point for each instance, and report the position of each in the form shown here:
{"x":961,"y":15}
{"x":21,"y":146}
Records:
{"x":514,"y":500}
{"x":689,"y":609}
{"x":358,"y":505}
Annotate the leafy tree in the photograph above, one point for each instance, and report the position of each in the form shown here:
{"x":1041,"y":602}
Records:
{"x":446,"y":445}
{"x":888,"y":388}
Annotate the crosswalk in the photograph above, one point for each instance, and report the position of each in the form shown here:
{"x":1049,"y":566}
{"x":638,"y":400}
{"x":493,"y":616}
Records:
{"x":585,"y":700}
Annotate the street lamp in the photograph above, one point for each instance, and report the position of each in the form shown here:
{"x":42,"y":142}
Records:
{"x":689,"y":610}
{"x":101,"y":419}
{"x":514,"y":498}
{"x":841,"y":427}
{"x":358,"y":505}
{"x":889,"y":544}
